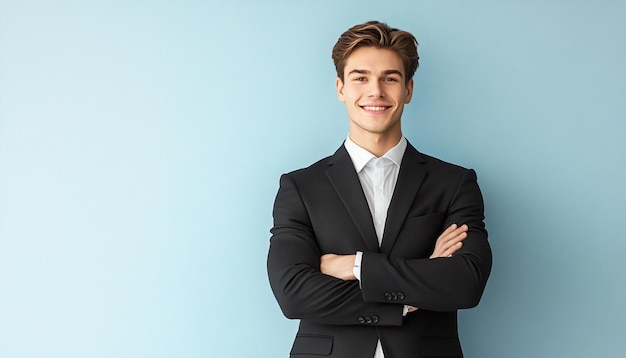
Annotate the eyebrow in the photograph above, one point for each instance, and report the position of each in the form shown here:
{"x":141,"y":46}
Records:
{"x":367,"y":72}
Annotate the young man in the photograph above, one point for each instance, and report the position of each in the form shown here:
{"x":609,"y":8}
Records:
{"x":376,"y":247}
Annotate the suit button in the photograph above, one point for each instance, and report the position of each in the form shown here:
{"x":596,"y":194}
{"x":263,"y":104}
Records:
{"x":368,"y":320}
{"x":361,"y":319}
{"x":388,"y":296}
{"x":375,"y":319}
{"x":394,"y":296}
{"x":400,"y":295}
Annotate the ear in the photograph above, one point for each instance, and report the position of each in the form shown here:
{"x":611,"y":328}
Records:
{"x":409,"y":91}
{"x":339,"y":86}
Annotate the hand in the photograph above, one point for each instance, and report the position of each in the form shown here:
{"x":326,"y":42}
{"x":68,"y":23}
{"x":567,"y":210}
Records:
{"x":339,"y":266}
{"x":450,"y":241}
{"x":411,"y":309}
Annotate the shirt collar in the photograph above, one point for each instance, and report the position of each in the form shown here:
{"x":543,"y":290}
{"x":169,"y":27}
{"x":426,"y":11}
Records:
{"x":360,"y":156}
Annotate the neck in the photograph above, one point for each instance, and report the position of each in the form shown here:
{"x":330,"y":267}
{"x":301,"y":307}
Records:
{"x":376,"y":144}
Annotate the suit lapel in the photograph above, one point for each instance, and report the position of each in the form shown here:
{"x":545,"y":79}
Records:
{"x":410,"y":178}
{"x":345,"y":181}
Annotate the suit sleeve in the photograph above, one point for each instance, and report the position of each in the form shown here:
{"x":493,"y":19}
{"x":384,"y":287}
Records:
{"x":301,"y":289}
{"x":441,"y":284}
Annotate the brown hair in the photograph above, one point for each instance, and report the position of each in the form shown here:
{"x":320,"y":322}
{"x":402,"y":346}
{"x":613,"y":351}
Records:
{"x":379,"y":35}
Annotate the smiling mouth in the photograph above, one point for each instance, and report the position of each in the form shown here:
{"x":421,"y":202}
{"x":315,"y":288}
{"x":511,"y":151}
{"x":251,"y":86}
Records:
{"x":375,"y":108}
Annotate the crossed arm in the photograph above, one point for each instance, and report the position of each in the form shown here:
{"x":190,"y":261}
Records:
{"x":340,"y":300}
{"x":341,"y":266}
{"x":323,"y":289}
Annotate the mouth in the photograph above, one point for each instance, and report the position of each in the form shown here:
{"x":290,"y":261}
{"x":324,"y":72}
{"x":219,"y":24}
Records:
{"x":375,"y":108}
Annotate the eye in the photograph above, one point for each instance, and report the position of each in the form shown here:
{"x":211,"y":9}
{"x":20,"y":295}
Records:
{"x":359,"y":79}
{"x":391,"y":79}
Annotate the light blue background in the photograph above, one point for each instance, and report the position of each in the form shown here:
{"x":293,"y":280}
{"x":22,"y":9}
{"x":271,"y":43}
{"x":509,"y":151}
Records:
{"x":141,"y":144}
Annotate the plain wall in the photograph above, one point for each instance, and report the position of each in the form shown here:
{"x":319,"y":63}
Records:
{"x":141,"y":144}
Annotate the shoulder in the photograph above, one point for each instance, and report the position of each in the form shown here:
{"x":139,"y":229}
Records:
{"x":432,"y":163}
{"x":439,"y":170}
{"x":312,"y":170}
{"x":444,"y":174}
{"x":320,"y":166}
{"x":440,"y":164}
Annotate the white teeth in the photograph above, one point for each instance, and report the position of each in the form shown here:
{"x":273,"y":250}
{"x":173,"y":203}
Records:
{"x":373,"y":108}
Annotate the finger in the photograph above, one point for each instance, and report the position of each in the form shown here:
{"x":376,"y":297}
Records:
{"x":451,"y":235}
{"x":452,"y":229}
{"x":461,"y":229}
{"x":448,"y":252}
{"x":453,"y":249}
{"x":443,"y":245}
{"x":453,"y":241}
{"x":448,"y":230}
{"x":452,"y":238}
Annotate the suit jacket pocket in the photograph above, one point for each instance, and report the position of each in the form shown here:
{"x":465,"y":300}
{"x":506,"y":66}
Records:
{"x":312,"y":344}
{"x":441,"y":347}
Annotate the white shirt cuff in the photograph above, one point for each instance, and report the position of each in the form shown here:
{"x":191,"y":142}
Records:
{"x":356,"y":270}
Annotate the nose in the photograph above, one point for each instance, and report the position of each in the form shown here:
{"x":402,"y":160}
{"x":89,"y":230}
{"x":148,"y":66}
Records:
{"x":376,"y":90}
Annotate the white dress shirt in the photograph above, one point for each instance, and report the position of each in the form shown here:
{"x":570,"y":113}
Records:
{"x":378,"y":177}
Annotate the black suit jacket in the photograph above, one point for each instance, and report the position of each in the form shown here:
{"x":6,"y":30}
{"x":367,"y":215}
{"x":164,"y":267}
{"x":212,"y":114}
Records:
{"x":322,"y":209}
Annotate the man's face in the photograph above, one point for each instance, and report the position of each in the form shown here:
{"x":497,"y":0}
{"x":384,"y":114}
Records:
{"x":374,"y":90}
